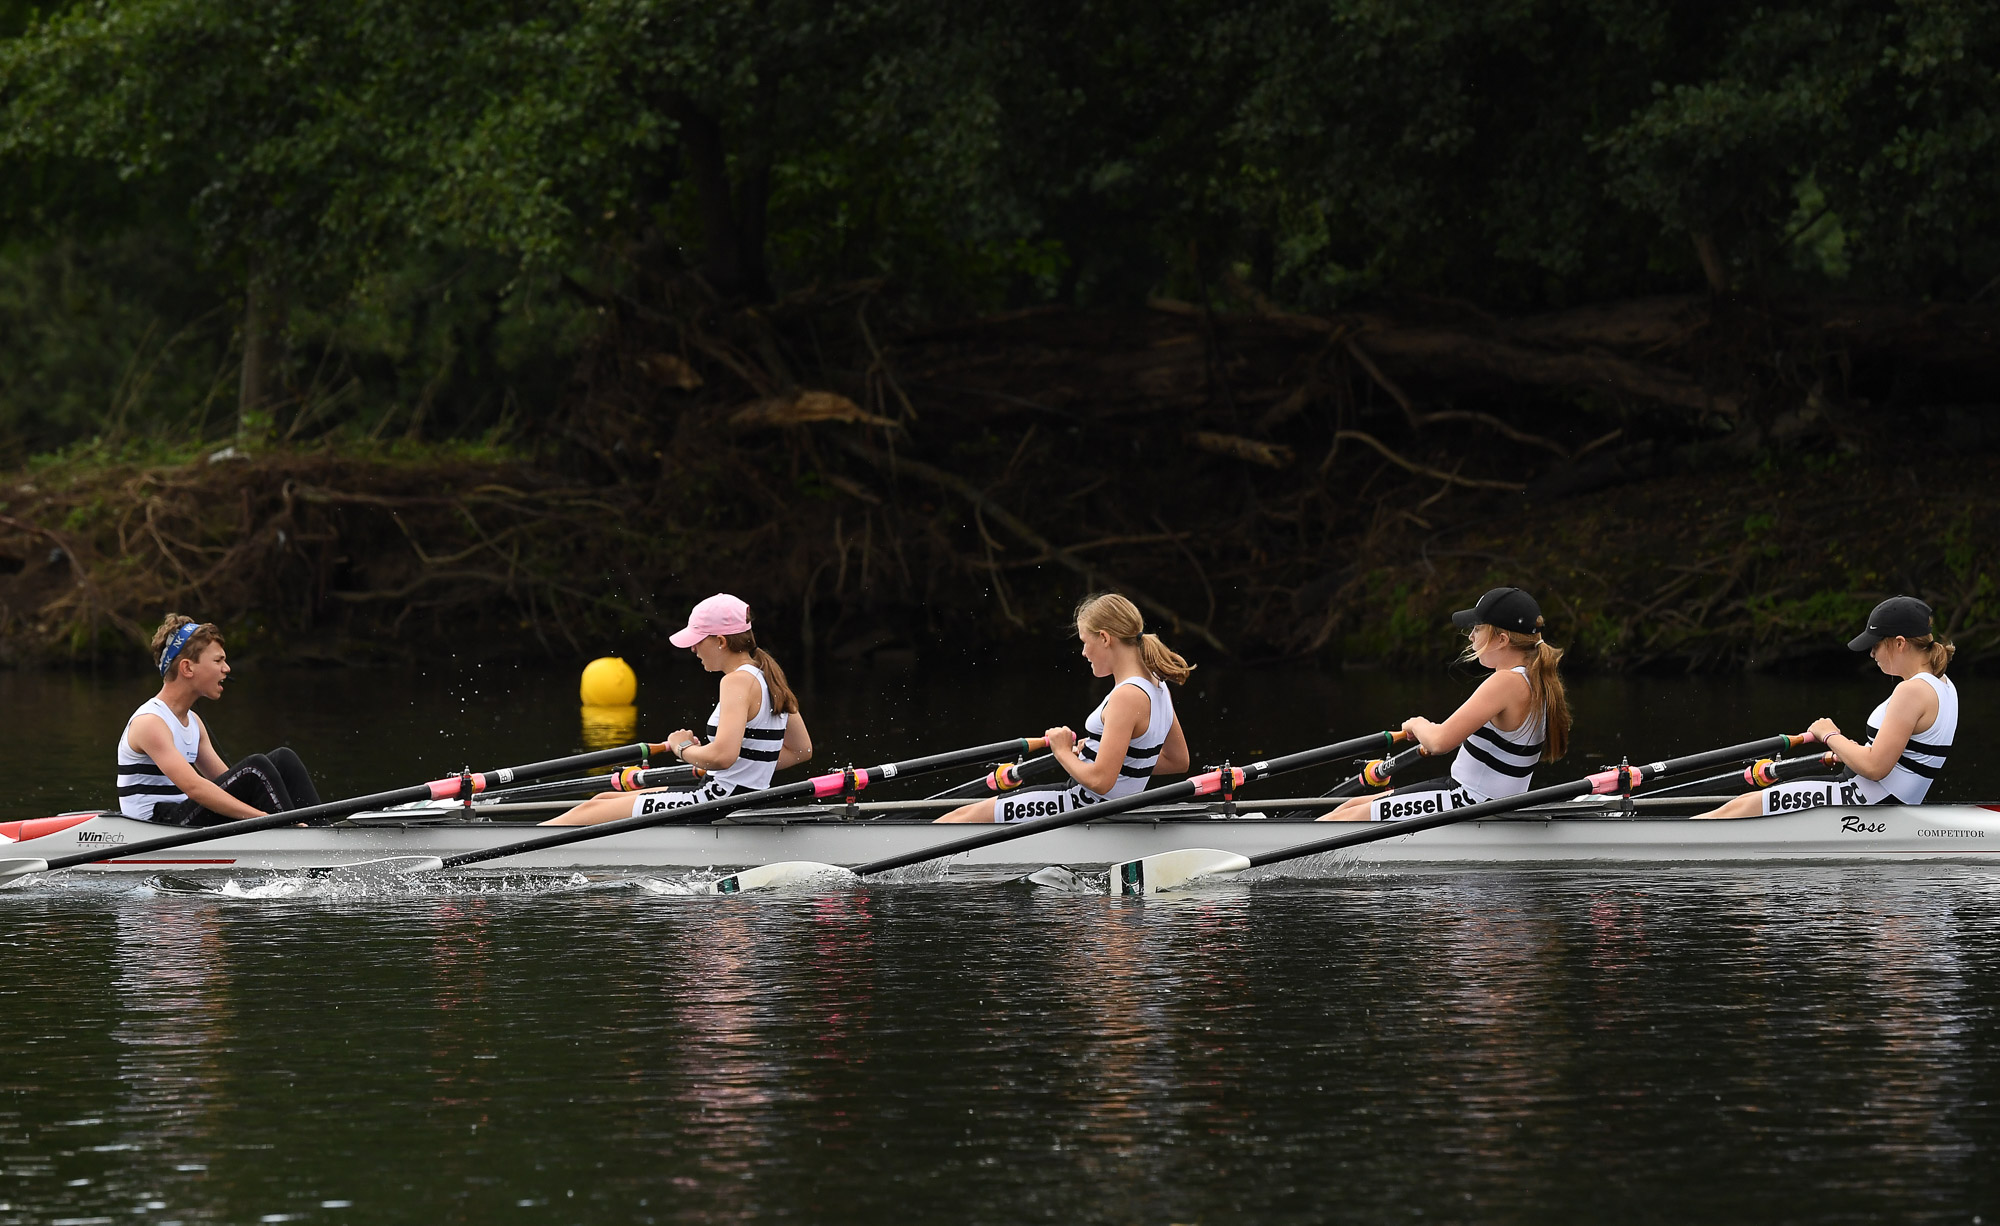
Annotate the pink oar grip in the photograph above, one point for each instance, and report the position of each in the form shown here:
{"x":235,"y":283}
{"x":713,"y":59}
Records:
{"x":832,"y":785}
{"x":1605,"y":783}
{"x":447,"y":789}
{"x":1212,"y":781}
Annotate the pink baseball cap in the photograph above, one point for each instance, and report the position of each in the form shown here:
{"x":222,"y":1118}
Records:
{"x":719,"y":614}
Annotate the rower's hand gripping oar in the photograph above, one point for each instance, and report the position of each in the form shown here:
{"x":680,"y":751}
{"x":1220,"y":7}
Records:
{"x":453,"y":787}
{"x":820,"y":787}
{"x":790,"y":872}
{"x":1152,"y":874}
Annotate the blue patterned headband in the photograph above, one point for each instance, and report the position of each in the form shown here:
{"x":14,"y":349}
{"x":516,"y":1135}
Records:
{"x":174,"y":645}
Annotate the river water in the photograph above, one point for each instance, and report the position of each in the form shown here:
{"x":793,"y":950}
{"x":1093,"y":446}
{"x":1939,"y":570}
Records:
{"x":1733,"y":1043}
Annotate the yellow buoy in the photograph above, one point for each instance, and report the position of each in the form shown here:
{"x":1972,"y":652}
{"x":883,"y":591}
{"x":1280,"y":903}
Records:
{"x":608,"y":682}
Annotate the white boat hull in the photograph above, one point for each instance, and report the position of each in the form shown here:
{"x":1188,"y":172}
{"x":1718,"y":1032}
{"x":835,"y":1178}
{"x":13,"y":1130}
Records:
{"x":1924,"y":832}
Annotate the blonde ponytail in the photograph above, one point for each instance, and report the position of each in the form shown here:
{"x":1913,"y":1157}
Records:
{"x":1545,"y":686}
{"x":1112,"y":614}
{"x":1163,"y":661}
{"x":1937,"y":653}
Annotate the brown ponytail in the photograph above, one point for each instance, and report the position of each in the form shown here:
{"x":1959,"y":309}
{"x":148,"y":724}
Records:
{"x":1545,"y":686}
{"x":1937,"y":653}
{"x":1120,"y":618}
{"x":783,"y":701}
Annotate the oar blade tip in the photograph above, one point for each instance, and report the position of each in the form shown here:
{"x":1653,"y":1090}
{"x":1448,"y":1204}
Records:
{"x":1171,"y":869}
{"x":786,"y":874}
{"x":11,"y":869}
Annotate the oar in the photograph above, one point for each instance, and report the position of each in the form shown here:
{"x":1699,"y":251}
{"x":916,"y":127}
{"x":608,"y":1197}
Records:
{"x":448,"y":788}
{"x":1376,"y":774}
{"x":1005,"y":778}
{"x":631,"y":779}
{"x":1765,"y":772}
{"x":789,"y":872}
{"x":821,"y":787}
{"x":1152,"y":874}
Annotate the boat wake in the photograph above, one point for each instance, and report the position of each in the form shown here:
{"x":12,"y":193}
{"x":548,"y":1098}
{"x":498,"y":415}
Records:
{"x":1059,"y":880}
{"x":367,"y":887}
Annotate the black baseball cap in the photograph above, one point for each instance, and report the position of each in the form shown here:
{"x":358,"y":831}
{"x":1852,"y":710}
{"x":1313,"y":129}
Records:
{"x":1508,"y":608}
{"x":1904,"y":615}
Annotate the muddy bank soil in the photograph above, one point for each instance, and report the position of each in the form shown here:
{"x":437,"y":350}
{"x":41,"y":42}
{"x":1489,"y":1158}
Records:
{"x":1268,"y":488}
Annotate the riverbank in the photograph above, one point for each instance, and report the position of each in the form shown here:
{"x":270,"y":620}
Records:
{"x":850,"y":551}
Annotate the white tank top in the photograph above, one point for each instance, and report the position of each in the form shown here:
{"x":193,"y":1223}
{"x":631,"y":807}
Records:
{"x":1143,"y":754}
{"x":1910,"y":778}
{"x":1493,"y":765}
{"x":140,"y":783}
{"x":763,"y":737}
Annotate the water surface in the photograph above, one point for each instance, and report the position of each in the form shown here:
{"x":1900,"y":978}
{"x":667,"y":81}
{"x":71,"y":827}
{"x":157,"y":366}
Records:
{"x":1725,"y":1043}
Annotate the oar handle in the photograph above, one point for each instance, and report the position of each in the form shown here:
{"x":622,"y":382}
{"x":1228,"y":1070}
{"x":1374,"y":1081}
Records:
{"x":1204,"y":784}
{"x":628,"y":779}
{"x":1766,"y":771}
{"x":1378,"y":773}
{"x":819,"y":787}
{"x":448,"y":788}
{"x":1608,"y":782}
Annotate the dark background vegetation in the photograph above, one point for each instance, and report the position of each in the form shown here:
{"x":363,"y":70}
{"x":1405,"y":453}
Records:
{"x":363,"y":326}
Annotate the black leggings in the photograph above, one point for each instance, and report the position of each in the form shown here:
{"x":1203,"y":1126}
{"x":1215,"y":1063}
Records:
{"x":274,"y":782}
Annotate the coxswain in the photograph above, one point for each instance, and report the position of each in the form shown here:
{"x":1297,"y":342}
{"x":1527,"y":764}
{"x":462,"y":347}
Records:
{"x":1909,"y":733}
{"x":1131,"y":736}
{"x":168,"y":770}
{"x":1517,"y":717}
{"x":755,"y":730}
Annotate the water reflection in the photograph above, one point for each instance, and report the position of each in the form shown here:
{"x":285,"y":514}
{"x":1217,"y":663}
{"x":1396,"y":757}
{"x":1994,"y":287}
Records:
{"x":176,"y":1021}
{"x":1801,"y":1043}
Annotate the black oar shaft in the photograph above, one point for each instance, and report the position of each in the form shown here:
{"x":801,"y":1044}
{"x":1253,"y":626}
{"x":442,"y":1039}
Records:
{"x":1377,"y":773}
{"x":1200,"y":785}
{"x":1764,"y":774}
{"x":1015,"y":774}
{"x":1605,"y":782}
{"x":820,"y":786}
{"x":617,"y":781}
{"x":448,"y":788}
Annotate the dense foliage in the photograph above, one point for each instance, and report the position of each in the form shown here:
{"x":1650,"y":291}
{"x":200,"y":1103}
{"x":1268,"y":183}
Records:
{"x":401,"y":217}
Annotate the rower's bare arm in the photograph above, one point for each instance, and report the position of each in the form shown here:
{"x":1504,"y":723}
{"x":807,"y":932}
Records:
{"x":1501,"y":694}
{"x":1912,"y":709}
{"x":1174,"y":756}
{"x":206,"y":760}
{"x":739,"y":701}
{"x":798,"y":746}
{"x":1125,"y":717}
{"x":148,"y":734}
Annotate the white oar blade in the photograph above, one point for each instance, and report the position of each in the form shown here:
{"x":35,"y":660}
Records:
{"x":10,"y":869}
{"x":387,"y":864}
{"x":1169,"y":869}
{"x":777,"y":876}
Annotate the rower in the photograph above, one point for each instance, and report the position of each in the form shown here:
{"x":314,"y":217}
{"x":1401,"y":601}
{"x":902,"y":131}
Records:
{"x":1517,"y":717}
{"x":1131,"y":736}
{"x":754,"y":732}
{"x":1909,"y":733}
{"x":169,"y":772}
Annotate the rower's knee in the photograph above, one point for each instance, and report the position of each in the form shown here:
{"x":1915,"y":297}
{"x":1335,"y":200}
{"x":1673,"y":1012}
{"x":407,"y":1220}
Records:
{"x":1750,"y":804}
{"x":977,"y":811}
{"x":1352,"y":810}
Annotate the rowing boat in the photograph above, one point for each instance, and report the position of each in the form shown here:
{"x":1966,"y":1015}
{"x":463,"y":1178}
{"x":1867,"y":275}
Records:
{"x":1648,"y":831}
